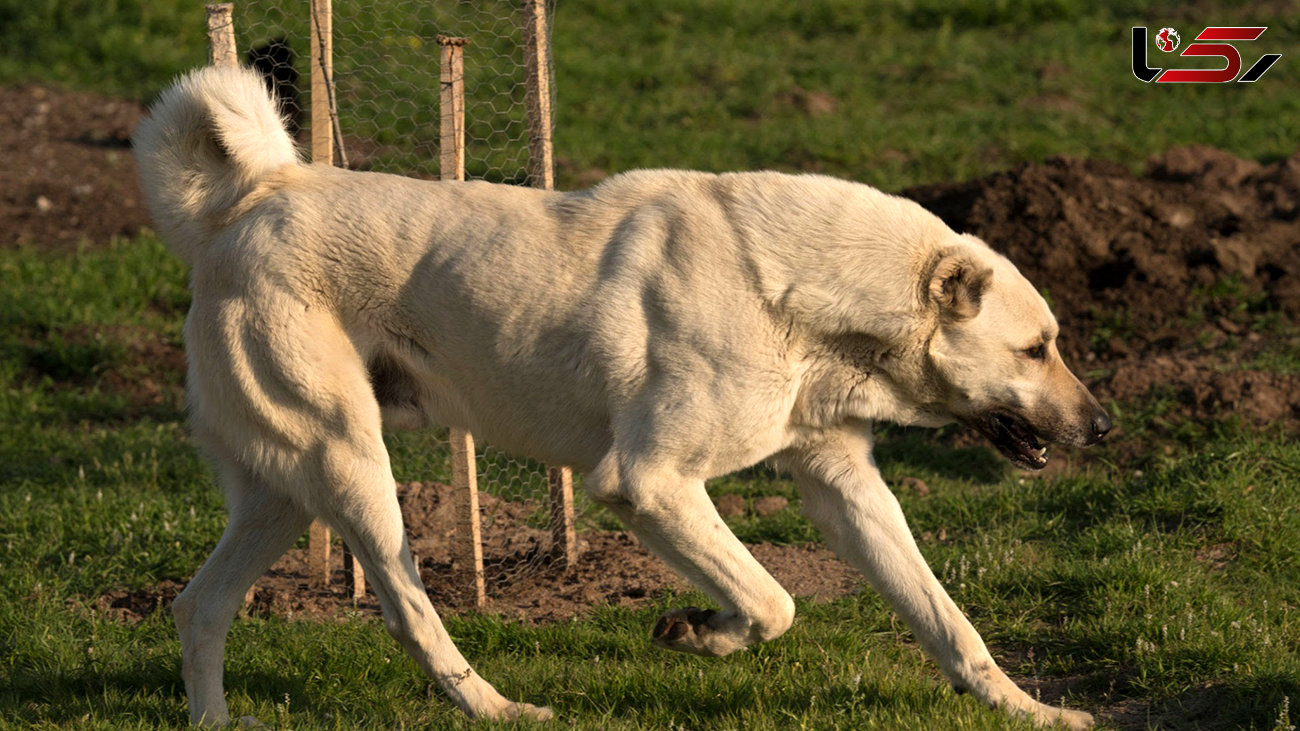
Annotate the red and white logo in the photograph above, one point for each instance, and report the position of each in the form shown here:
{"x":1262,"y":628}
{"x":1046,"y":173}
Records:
{"x":1167,"y":40}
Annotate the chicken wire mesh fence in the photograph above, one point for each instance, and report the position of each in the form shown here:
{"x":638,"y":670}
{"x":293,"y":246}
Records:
{"x":388,"y":113}
{"x":385,"y":70}
{"x":514,"y":506}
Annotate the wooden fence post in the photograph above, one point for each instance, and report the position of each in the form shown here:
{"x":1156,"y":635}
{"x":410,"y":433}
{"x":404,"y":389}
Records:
{"x":322,"y":150}
{"x":221,"y":35}
{"x":322,"y":71}
{"x":537,"y":95}
{"x":468,"y":553}
{"x":564,"y":539}
{"x":541,"y":174}
{"x":451,"y":143}
{"x":324,"y":128}
{"x":222,"y":53}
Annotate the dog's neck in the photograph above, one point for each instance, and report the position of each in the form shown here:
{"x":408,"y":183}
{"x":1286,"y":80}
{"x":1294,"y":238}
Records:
{"x":845,"y":271}
{"x":825,"y":256}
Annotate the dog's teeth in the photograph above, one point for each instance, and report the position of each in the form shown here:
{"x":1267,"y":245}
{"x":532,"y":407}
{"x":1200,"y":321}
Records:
{"x":1042,"y":451}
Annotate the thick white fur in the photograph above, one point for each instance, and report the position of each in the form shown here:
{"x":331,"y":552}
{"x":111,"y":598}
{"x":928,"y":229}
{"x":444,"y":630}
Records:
{"x":661,"y":329}
{"x":210,"y":140}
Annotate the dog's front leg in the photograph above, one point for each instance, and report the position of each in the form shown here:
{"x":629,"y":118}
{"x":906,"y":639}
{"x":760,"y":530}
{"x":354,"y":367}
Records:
{"x":672,"y":515}
{"x":845,"y":496}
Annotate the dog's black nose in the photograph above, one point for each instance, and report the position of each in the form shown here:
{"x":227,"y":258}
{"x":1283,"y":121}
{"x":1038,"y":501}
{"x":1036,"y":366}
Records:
{"x":1100,"y":425}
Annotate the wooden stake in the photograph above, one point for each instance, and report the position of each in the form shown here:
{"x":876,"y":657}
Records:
{"x":541,"y":174}
{"x":221,"y":53}
{"x":469,"y":539}
{"x":318,"y":553}
{"x":354,"y":577}
{"x":464,"y":468}
{"x":452,"y":102}
{"x":537,"y":95}
{"x":221,"y":35}
{"x":564,"y":540}
{"x":322,"y":70}
{"x":322,"y":151}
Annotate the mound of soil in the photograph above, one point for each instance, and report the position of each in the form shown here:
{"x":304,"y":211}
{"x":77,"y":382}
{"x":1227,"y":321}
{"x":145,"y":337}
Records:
{"x":1156,"y":279}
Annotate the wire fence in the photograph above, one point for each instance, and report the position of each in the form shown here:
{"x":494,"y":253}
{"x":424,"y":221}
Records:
{"x":386,"y":79}
{"x":386,"y":97}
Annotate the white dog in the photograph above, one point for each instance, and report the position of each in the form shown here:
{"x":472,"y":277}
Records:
{"x":660,"y":329}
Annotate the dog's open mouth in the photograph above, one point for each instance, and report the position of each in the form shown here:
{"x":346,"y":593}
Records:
{"x":1014,"y":438}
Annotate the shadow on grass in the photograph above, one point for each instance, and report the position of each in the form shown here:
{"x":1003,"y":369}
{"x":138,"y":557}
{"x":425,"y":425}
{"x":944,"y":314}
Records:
{"x":151,"y":693}
{"x":1162,"y":497}
{"x":904,"y":449}
{"x":723,"y":702}
{"x":99,"y":407}
{"x":1256,"y":703}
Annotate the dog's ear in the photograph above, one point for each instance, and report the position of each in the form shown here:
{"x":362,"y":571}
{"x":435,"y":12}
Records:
{"x":957,"y":285}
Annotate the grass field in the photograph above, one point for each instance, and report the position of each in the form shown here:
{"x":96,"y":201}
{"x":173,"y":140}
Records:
{"x":893,"y":93}
{"x":1159,"y":587}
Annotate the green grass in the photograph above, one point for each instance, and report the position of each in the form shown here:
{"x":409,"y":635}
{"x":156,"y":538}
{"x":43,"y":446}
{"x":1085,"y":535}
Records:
{"x":917,"y":90}
{"x":1167,"y":584}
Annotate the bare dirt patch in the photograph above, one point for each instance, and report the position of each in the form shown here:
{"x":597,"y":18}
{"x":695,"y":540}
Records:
{"x":69,"y":174}
{"x":523,"y":581}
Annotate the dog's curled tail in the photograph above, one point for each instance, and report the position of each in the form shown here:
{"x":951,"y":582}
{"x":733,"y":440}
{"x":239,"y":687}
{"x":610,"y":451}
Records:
{"x":209,"y":140}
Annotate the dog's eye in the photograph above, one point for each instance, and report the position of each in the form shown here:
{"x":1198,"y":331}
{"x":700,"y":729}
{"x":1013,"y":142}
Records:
{"x":1038,"y":352}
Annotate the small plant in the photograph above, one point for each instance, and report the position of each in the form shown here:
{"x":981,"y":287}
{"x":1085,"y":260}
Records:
{"x":1283,"y":722}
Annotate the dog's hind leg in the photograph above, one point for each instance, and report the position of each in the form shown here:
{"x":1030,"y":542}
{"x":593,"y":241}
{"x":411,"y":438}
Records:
{"x":367,"y":515}
{"x":844,"y":495}
{"x":672,"y":515}
{"x":278,"y":386}
{"x":262,"y":526}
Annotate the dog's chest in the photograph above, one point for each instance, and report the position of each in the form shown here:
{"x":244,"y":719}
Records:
{"x":842,"y":380}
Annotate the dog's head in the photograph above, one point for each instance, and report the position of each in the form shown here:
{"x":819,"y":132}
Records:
{"x":994,"y":360}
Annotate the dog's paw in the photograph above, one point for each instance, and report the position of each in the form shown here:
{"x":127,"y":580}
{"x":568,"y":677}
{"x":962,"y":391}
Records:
{"x":1056,"y":717}
{"x":684,"y":630}
{"x":1074,"y":720}
{"x":527,"y":710}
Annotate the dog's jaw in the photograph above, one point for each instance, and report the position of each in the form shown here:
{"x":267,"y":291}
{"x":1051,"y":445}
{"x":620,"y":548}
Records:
{"x":1013,"y":436}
